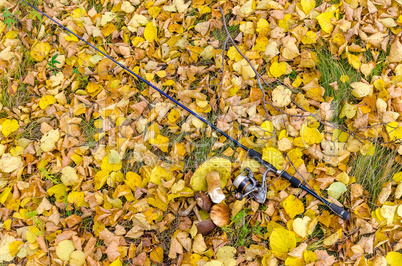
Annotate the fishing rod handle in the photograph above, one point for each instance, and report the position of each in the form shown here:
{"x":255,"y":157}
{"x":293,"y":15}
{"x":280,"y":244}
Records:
{"x":295,"y":182}
{"x":258,"y":157}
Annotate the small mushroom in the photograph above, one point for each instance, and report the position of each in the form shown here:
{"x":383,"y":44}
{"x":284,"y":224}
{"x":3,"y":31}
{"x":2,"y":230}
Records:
{"x":212,"y":176}
{"x":204,"y":227}
{"x":203,"y":201}
{"x":220,"y":214}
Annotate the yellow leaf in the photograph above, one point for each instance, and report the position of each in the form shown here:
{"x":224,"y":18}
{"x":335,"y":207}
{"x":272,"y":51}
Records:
{"x":281,"y":96}
{"x":151,"y":32}
{"x":76,"y":197}
{"x":361,"y":90}
{"x":14,"y":247}
{"x":344,"y":78}
{"x":268,"y":128}
{"x":394,"y":258}
{"x":174,"y":116}
{"x":157,"y":202}
{"x":247,"y":28}
{"x":285,"y":22}
{"x":394,"y":130}
{"x":348,"y":110}
{"x":48,"y":141}
{"x":40,"y":51}
{"x":282,"y":240}
{"x":262,"y":27}
{"x":293,"y":206}
{"x":133,"y":180}
{"x":354,"y":61}
{"x":127,"y":7}
{"x":226,"y":255}
{"x":397,"y":177}
{"x":300,"y":226}
{"x":77,"y":258}
{"x":46,"y":100}
{"x":108,"y":29}
{"x":64,"y":249}
{"x":310,"y":136}
{"x":158,"y":173}
{"x":309,"y":38}
{"x":9,"y":126}
{"x":234,"y":55}
{"x":79,"y":12}
{"x":59,"y":192}
{"x":157,"y":255}
{"x":277,"y":69}
{"x":69,"y":176}
{"x":199,"y":245}
{"x":32,"y":234}
{"x":113,"y":164}
{"x":261,"y":43}
{"x":4,"y":195}
{"x":316,"y":94}
{"x":333,"y":238}
{"x":161,"y":142}
{"x":336,"y":189}
{"x":290,"y":261}
{"x":309,"y":256}
{"x":395,"y":53}
{"x":101,"y":178}
{"x":273,"y":156}
{"x":307,"y":5}
{"x":324,"y":19}
{"x":93,"y":89}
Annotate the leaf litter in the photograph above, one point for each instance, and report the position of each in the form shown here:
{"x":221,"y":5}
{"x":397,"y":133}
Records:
{"x":117,"y":201}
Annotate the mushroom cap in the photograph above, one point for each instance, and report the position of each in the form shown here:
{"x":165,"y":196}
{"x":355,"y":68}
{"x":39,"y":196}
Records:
{"x":220,"y":214}
{"x":219,"y":164}
{"x":205,"y":227}
{"x":203,"y":201}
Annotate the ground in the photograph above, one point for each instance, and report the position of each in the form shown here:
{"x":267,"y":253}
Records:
{"x":96,"y":166}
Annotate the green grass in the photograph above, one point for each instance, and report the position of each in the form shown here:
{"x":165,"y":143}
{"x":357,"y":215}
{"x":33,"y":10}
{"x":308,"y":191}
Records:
{"x":32,"y":131}
{"x":381,"y":63}
{"x":220,"y":34}
{"x":10,"y":100}
{"x":331,"y":70}
{"x":240,"y":230}
{"x":373,"y":171}
{"x":88,"y":131}
{"x":202,"y":151}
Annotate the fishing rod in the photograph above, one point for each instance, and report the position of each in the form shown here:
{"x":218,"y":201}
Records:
{"x":244,"y":183}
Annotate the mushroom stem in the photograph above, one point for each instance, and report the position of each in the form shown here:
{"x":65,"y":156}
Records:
{"x":195,"y":209}
{"x":187,"y":211}
{"x":214,"y":187}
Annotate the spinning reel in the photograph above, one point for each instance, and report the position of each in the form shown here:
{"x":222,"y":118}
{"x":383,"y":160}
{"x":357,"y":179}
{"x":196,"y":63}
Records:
{"x":247,"y":185}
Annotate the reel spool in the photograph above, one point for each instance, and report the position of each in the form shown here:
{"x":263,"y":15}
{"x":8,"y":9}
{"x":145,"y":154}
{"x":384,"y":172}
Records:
{"x":247,"y":185}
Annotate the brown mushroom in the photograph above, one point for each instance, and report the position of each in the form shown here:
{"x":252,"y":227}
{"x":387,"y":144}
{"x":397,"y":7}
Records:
{"x":220,"y":214}
{"x":204,"y":227}
{"x":203,"y":201}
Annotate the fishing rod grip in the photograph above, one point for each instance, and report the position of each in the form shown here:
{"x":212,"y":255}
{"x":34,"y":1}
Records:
{"x":258,"y":157}
{"x":341,"y":212}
